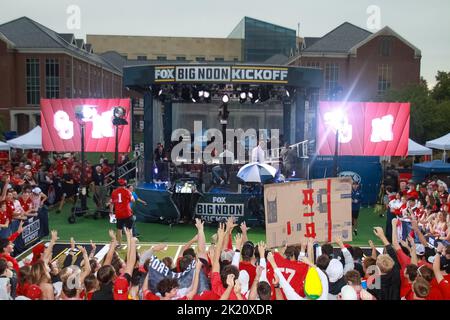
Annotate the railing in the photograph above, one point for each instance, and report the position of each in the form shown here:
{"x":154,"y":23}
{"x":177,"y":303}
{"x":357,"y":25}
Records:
{"x":124,"y":170}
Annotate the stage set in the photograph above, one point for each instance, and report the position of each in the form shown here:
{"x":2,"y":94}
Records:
{"x":216,"y":96}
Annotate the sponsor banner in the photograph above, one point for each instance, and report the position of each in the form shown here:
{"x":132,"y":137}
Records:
{"x":237,"y":74}
{"x":61,"y":131}
{"x":218,"y":208}
{"x":317,"y":209}
{"x":34,"y":229}
{"x":364,"y":128}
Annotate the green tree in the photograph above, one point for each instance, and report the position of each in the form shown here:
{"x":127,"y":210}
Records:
{"x":441,"y":91}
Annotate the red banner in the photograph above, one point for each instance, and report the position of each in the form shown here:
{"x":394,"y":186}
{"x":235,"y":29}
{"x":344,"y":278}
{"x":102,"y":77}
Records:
{"x":61,"y":131}
{"x":365,"y":128}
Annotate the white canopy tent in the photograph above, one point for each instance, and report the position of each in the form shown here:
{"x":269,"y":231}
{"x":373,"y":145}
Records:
{"x":415,"y":149}
{"x":30,"y":140}
{"x":4,"y":146}
{"x":442,"y":143}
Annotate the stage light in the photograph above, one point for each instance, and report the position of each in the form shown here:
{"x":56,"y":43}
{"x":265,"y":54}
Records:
{"x":242,"y":97}
{"x":85,"y":112}
{"x":288,"y":94}
{"x":225,"y":98}
{"x":119,"y":112}
{"x":201,"y":93}
{"x":160,"y":92}
{"x":206,"y":94}
{"x":254,"y":96}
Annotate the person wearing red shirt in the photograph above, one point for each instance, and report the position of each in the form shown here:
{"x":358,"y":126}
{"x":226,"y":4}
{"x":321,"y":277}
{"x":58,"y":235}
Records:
{"x":7,"y":248}
{"x":412,"y":193}
{"x":120,"y":201}
{"x":442,"y":283}
{"x":25,"y":201}
{"x":4,"y":219}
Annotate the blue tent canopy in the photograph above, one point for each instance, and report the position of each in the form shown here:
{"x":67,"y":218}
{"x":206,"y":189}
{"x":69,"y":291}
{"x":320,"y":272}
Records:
{"x":422,"y":170}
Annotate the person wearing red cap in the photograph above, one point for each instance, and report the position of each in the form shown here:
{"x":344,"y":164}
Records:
{"x":120,"y":202}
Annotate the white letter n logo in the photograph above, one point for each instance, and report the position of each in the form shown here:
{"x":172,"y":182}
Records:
{"x":382,"y":129}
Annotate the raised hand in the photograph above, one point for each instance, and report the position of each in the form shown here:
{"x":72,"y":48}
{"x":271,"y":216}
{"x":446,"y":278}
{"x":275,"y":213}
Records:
{"x":211,"y":253}
{"x":378,"y":231}
{"x":237,"y":287}
{"x":230,"y":224}
{"x":371,"y":244}
{"x":72,"y":243}
{"x":230,"y":280}
{"x":221,"y":231}
{"x":304,"y":244}
{"x":82,"y":249}
{"x":199,"y":224}
{"x":339,"y":241}
{"x":93,"y":246}
{"x":244,"y":227}
{"x":259,"y":270}
{"x":261,"y":249}
{"x":306,"y":260}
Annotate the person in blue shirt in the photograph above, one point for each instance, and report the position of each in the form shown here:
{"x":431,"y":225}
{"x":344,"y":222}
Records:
{"x":136,"y":199}
{"x":356,"y":205}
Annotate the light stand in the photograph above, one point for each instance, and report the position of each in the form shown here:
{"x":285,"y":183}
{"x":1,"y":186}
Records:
{"x":118,"y":120}
{"x":336,"y":154}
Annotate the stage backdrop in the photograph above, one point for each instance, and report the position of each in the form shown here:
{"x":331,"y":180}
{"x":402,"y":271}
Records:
{"x":366,"y":128}
{"x":61,"y":131}
{"x":318,"y":209}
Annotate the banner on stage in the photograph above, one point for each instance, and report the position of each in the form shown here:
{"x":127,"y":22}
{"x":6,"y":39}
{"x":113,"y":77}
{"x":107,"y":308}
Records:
{"x":318,"y":209}
{"x":61,"y":131}
{"x":364,"y":128}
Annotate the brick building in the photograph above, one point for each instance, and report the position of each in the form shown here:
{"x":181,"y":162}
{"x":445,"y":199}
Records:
{"x":359,"y":65}
{"x":36,"y":62}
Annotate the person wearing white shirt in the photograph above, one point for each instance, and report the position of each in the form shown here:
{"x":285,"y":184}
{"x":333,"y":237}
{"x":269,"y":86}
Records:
{"x":258,"y":154}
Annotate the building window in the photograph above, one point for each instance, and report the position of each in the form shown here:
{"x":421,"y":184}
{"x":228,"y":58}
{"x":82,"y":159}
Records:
{"x":51,"y":78}
{"x":312,"y":64}
{"x":161,"y":58}
{"x":384,"y":78}
{"x":142,"y":58}
{"x":181,"y":58}
{"x":33,"y":82}
{"x":219,"y":59}
{"x":331,"y":77}
{"x":200,"y":59}
{"x":385,"y":46}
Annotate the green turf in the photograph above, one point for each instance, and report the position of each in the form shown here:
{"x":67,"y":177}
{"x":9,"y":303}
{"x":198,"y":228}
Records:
{"x":86,"y":229}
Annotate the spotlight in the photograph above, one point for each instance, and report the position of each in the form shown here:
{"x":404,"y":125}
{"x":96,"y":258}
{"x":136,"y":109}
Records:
{"x":242,"y":97}
{"x":160,"y":92}
{"x":225,"y":98}
{"x":85,"y":112}
{"x":206,"y":94}
{"x":119,"y":114}
{"x":201,"y":93}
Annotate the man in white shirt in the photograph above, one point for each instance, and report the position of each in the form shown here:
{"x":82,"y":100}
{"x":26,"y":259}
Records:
{"x":258,"y":153}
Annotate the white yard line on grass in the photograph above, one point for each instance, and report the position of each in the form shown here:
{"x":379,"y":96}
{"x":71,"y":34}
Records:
{"x":178,"y":253}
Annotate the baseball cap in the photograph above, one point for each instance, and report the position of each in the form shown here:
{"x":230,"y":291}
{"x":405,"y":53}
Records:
{"x":122,"y":182}
{"x":27,"y":167}
{"x":227,"y":256}
{"x":33,"y":292}
{"x":348,"y":293}
{"x":36,"y":190}
{"x":121,"y":289}
{"x":420,"y":249}
{"x":335,"y":270}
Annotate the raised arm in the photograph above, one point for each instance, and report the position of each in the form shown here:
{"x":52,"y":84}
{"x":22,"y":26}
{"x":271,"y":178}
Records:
{"x":194,"y":286}
{"x":112,"y":248}
{"x":437,"y":268}
{"x":244,"y":230}
{"x":189,"y":243}
{"x":395,"y":239}
{"x":131,"y":254}
{"x":218,"y":250}
{"x":374,"y":253}
{"x":415,"y":227}
{"x":287,"y":288}
{"x":349,"y":263}
{"x":48,"y":252}
{"x":93,"y":249}
{"x":412,"y":250}
{"x":201,"y":239}
{"x":86,"y":264}
{"x":237,"y":253}
{"x":253,"y":295}
{"x":230,"y":287}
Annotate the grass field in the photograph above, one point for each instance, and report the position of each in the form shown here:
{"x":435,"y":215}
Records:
{"x":86,"y":229}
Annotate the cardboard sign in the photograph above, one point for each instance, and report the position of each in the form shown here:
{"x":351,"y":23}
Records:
{"x":318,"y":209}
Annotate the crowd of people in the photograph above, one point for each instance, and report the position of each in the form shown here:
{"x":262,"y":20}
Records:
{"x":231,"y":266}
{"x":428,"y":203}
{"x":235,"y":270}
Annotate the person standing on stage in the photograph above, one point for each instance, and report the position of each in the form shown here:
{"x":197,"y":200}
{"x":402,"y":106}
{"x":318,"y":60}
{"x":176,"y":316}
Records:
{"x":258,"y":154}
{"x":356,"y":205}
{"x":120,"y":203}
{"x":136,"y":199}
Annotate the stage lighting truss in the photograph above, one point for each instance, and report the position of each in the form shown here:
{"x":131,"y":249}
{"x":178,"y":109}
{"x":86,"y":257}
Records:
{"x":85,"y":113}
{"x":221,"y":93}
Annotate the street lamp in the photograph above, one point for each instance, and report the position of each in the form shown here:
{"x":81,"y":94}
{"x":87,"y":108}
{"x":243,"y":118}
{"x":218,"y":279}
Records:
{"x":119,"y":115}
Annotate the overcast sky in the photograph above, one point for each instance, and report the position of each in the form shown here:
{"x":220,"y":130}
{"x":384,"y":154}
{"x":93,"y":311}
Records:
{"x":425,"y":24}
